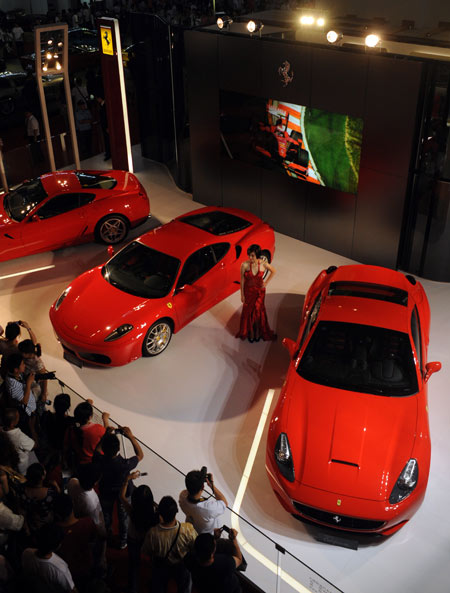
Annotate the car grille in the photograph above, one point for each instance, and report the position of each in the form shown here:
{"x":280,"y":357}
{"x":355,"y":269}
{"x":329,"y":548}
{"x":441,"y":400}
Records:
{"x":93,"y":357}
{"x":336,"y":520}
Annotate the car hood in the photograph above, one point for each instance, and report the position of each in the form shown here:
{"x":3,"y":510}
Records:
{"x":94,"y":308}
{"x":349,"y":443}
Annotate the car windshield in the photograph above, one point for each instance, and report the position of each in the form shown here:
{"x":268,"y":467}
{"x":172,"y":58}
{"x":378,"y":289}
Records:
{"x":217,"y":222}
{"x":89,"y":181}
{"x":22,"y":200}
{"x":360,"y":358}
{"x":142,"y":271}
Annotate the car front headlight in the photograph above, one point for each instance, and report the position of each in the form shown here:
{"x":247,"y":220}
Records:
{"x":283,"y":457}
{"x":406,"y":482}
{"x":119,"y":332}
{"x":62,"y":297}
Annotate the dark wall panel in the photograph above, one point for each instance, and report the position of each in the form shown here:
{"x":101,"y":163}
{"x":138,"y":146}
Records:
{"x":330,"y":218}
{"x":338,"y":82}
{"x":389,"y":121}
{"x":239,"y":64}
{"x":203,"y":98}
{"x":379,"y":213}
{"x":241,"y":186}
{"x":283,"y":203}
{"x":273,"y":56}
{"x":381,"y":89}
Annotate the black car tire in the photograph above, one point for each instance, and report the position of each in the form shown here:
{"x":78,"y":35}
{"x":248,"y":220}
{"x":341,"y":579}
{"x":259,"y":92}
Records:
{"x":112,"y":229}
{"x":157,"y":338}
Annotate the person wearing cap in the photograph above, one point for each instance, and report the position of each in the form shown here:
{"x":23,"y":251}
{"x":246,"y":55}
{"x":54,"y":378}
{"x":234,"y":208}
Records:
{"x":203,"y":512}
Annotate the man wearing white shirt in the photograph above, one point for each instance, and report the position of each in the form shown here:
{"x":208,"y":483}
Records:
{"x":17,"y":32}
{"x":42,"y":561}
{"x":9,"y":521}
{"x":84,"y":498}
{"x":22,"y":443}
{"x":203,"y":513}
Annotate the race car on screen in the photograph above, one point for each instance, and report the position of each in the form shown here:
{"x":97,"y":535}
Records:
{"x":348,"y":444}
{"x":69,"y":207}
{"x":154,"y":286}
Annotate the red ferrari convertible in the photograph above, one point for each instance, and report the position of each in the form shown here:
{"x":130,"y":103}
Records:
{"x":154,"y":286}
{"x":349,"y":443}
{"x":69,"y":207}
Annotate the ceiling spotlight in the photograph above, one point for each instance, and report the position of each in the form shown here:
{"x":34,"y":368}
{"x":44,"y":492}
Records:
{"x":333,"y":36}
{"x":55,"y":56}
{"x":320,"y":22}
{"x":254,"y":26}
{"x":50,"y":41}
{"x":372,"y":40}
{"x":307,"y":19}
{"x":58,"y":66}
{"x":60,"y":44}
{"x":45,"y":67}
{"x":223,"y":22}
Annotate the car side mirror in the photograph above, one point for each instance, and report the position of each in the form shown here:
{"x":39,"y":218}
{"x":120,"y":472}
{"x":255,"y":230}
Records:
{"x":290,"y":346}
{"x":430,"y":368}
{"x":185,"y":288}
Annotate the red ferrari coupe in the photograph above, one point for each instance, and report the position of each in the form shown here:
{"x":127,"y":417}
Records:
{"x":154,"y":286}
{"x":69,"y":207}
{"x":349,"y":443}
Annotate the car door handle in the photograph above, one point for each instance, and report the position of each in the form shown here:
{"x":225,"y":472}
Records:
{"x":8,"y":236}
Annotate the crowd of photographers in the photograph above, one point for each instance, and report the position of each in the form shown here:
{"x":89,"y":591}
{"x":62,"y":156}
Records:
{"x":68,"y":498}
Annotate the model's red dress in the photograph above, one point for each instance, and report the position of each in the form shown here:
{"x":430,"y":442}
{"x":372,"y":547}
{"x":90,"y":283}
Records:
{"x":254,"y":324}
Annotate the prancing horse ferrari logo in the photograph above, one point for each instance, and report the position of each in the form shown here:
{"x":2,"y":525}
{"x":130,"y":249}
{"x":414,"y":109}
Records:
{"x":169,"y":305}
{"x":337,"y":519}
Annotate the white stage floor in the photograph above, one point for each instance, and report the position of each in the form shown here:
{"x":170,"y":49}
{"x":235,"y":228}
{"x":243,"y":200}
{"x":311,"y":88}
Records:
{"x":200,"y":403}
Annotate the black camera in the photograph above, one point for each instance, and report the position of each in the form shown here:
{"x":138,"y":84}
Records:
{"x":119,"y":431}
{"x":44,"y":376}
{"x":204,"y":473}
{"x":226,"y":529}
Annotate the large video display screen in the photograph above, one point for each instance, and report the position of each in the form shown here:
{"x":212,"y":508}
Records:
{"x":306,"y":143}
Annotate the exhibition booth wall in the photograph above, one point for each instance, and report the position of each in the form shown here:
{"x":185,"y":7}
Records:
{"x":380,"y":95}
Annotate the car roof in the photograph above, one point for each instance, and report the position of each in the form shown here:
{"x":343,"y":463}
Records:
{"x":60,"y":181}
{"x":383,"y":308}
{"x":178,"y":238}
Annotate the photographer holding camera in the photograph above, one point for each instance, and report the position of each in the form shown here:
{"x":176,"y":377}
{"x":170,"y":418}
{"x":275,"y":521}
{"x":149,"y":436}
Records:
{"x":213,"y":570}
{"x":114,"y":469}
{"x":203,"y":512}
{"x":9,"y":344}
{"x":31,"y":353}
{"x":17,"y":387}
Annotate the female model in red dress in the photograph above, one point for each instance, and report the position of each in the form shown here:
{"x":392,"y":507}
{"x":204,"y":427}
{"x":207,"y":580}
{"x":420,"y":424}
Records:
{"x":254,"y":324}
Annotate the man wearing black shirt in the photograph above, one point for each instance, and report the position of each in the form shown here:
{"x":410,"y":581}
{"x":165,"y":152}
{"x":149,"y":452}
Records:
{"x":213,"y":571}
{"x":114,"y":469}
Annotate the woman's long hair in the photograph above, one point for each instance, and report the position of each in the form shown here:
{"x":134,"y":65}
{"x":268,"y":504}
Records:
{"x":143,"y":513}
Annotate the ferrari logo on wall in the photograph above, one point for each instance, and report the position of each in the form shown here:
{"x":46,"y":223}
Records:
{"x":107,"y":43}
{"x":286,"y":73}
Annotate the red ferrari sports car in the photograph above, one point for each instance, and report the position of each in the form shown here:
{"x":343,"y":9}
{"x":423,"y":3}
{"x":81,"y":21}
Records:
{"x":349,"y":443}
{"x":69,"y":207}
{"x":154,"y":286}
